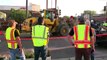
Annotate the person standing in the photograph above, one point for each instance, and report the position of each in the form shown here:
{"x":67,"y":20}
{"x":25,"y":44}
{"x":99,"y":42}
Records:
{"x":40,"y":39}
{"x":104,"y":25}
{"x":82,"y":35}
{"x":72,"y":21}
{"x":87,"y":20}
{"x":93,"y":44}
{"x":0,"y":33}
{"x":13,"y":41}
{"x":93,"y":39}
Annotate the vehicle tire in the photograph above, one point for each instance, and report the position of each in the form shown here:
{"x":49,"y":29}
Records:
{"x":64,"y":30}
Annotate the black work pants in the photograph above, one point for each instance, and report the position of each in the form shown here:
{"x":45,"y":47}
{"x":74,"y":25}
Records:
{"x":79,"y":52}
{"x":40,"y":51}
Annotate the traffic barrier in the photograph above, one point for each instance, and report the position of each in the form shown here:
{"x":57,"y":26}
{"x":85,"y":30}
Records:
{"x":68,"y":44}
{"x":60,"y":37}
{"x":101,"y":35}
{"x":51,"y":38}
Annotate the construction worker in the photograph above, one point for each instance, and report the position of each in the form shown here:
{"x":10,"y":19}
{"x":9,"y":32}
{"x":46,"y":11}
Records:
{"x":105,"y":25}
{"x":14,"y":41}
{"x":71,"y":21}
{"x":82,"y":35}
{"x":0,"y":33}
{"x":48,"y":14}
{"x":40,"y":39}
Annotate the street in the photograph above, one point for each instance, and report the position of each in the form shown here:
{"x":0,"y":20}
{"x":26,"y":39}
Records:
{"x":67,"y":23}
{"x":59,"y":49}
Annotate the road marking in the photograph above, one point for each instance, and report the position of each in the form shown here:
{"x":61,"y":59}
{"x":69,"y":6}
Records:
{"x":60,"y":48}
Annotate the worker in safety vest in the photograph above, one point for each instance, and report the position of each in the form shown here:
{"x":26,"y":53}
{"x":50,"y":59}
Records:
{"x":14,"y":41}
{"x":105,"y":25}
{"x":40,"y":39}
{"x":82,"y":35}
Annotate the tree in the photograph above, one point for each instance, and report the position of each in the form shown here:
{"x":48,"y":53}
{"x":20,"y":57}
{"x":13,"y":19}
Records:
{"x":66,"y":18}
{"x":19,"y":15}
{"x":2,"y":15}
{"x":92,"y":13}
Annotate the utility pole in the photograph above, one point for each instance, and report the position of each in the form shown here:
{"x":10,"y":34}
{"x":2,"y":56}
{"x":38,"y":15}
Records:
{"x":55,"y":3}
{"x":46,"y":4}
{"x":51,"y":3}
{"x":106,"y":11}
{"x":26,"y":8}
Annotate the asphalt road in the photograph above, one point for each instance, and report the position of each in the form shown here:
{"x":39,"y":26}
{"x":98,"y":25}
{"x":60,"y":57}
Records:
{"x":59,"y":48}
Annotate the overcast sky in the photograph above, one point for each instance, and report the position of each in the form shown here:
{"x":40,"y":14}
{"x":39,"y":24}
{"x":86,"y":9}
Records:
{"x":68,"y":7}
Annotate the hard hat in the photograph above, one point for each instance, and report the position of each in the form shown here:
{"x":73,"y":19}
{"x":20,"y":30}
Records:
{"x":92,"y":20}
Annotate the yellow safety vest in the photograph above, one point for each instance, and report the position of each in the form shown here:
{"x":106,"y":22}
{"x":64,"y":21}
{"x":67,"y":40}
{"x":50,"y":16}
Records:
{"x":82,"y":36}
{"x":10,"y":37}
{"x":40,"y":35}
{"x":104,"y":24}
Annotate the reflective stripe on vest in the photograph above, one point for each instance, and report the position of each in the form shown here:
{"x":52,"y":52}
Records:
{"x":39,"y":35}
{"x":81,"y":36}
{"x":10,"y":37}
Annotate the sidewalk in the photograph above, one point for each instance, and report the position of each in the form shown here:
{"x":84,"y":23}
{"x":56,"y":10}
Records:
{"x":73,"y":58}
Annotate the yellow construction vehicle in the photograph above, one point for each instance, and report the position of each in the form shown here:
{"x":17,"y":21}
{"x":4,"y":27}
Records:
{"x":51,"y":20}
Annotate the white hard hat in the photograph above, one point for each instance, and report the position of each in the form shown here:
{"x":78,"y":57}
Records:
{"x":92,"y":20}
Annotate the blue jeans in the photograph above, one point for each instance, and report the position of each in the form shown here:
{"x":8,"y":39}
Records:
{"x":14,"y":52}
{"x":92,"y":55}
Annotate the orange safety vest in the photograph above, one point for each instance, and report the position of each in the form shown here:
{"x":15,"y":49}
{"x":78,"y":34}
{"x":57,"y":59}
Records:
{"x":81,"y":36}
{"x":10,"y":37}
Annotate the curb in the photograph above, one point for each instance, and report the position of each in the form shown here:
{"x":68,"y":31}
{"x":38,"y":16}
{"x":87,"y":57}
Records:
{"x":48,"y":58}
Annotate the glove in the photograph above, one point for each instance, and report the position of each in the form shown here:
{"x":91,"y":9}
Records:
{"x":92,"y":50}
{"x":72,"y":44}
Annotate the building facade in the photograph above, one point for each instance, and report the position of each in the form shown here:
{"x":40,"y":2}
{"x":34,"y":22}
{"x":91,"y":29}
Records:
{"x":31,"y":7}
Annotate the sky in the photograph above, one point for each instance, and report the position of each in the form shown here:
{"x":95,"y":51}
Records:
{"x":68,"y":7}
